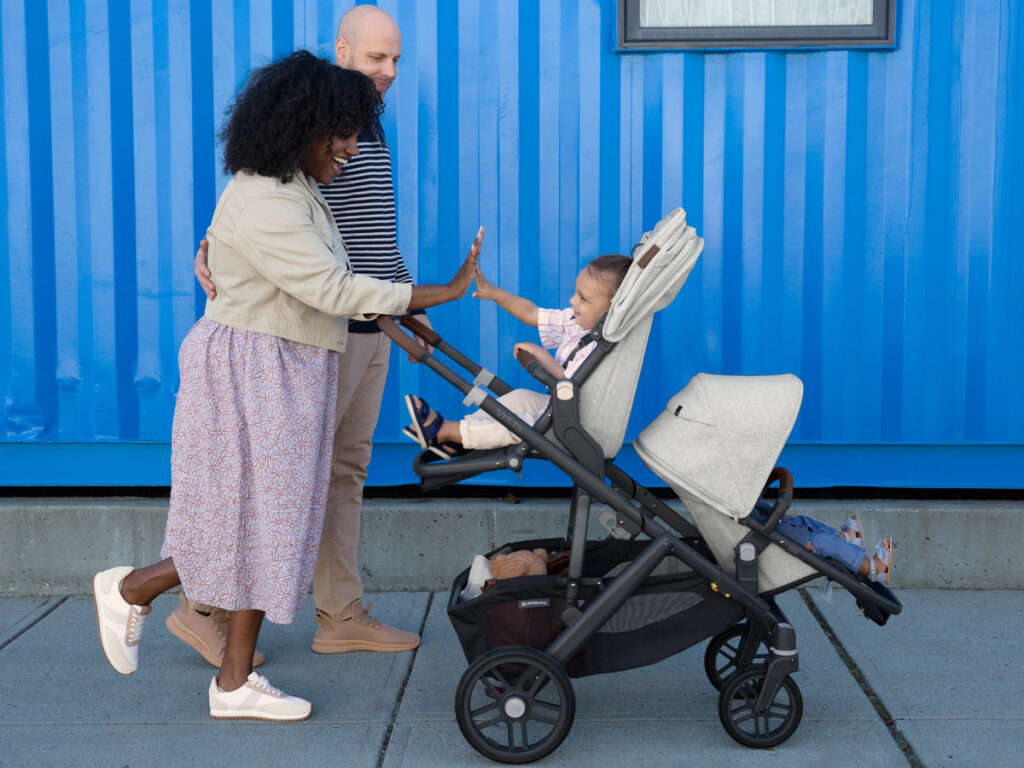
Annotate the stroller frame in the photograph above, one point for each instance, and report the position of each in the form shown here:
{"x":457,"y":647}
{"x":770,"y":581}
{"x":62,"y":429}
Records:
{"x":750,"y":663}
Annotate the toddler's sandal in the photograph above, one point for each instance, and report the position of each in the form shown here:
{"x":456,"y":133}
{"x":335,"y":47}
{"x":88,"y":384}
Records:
{"x":408,"y":432}
{"x":426,"y":434}
{"x":883,"y":553}
{"x":852,"y":523}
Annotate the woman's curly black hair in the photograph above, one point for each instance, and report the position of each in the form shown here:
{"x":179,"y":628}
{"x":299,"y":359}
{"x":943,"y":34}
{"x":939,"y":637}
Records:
{"x":289,"y":104}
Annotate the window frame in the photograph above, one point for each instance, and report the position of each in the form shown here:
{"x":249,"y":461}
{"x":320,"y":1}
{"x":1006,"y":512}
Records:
{"x":633,"y":37}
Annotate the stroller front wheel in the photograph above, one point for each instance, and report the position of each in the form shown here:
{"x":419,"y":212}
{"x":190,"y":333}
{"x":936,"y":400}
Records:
{"x":515,"y":704}
{"x":724,"y":656}
{"x":754,"y":726}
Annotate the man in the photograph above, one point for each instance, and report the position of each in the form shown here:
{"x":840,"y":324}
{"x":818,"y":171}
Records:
{"x":362,"y":200}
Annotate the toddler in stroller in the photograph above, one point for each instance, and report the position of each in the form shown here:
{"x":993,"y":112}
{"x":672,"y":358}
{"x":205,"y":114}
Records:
{"x":661,"y":581}
{"x":564,"y":330}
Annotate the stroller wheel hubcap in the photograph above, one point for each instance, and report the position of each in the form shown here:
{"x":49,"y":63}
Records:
{"x":753,"y":724}
{"x":515,"y":706}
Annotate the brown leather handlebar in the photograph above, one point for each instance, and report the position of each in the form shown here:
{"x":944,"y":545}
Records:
{"x":785,"y":478}
{"x":393,"y":332}
{"x":525,"y":357}
{"x":428,"y":334}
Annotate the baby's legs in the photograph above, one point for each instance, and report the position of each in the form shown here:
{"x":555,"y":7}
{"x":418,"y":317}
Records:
{"x":827,"y":544}
{"x":821,"y":539}
{"x":811,"y":525}
{"x":480,"y":431}
{"x":826,"y":541}
{"x":853,"y":556}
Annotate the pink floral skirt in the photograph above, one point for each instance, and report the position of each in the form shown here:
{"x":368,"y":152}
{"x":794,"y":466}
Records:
{"x":250,"y":463}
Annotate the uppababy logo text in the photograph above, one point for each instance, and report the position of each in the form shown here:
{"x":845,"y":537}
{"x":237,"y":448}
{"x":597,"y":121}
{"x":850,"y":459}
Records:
{"x":534,"y":603}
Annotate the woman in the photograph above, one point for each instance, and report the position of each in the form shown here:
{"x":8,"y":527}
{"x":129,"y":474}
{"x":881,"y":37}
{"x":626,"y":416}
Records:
{"x":251,"y":442}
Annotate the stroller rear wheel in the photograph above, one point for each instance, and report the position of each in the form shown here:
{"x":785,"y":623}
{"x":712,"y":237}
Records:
{"x":515,"y":704}
{"x":754,"y":726}
{"x":722,"y":659}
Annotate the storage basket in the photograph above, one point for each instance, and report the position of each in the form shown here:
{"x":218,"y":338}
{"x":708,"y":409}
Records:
{"x":672,"y":610}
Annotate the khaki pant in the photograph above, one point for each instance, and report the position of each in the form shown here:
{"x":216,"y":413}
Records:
{"x":362,"y":372}
{"x":479,"y":430}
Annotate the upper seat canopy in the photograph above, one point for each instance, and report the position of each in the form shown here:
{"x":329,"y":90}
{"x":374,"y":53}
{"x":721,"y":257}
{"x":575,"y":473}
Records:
{"x":661,"y":264}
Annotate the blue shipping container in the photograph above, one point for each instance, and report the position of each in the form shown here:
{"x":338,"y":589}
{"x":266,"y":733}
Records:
{"x":859,"y":208}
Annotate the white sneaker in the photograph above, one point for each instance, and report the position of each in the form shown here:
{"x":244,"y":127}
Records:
{"x":257,"y":699}
{"x":119,"y":622}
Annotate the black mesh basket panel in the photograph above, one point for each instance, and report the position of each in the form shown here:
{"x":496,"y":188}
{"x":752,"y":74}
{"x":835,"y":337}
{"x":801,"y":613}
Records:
{"x":671,"y":611}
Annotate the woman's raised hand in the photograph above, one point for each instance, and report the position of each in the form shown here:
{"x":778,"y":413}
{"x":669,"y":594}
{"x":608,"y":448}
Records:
{"x":464,"y":277}
{"x":424,"y":296}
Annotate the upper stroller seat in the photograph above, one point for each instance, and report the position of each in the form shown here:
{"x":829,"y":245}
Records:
{"x":661,"y":263}
{"x":589,"y":413}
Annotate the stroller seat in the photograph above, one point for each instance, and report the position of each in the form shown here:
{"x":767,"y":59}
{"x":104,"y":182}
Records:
{"x":600,"y":396}
{"x":714,"y":445}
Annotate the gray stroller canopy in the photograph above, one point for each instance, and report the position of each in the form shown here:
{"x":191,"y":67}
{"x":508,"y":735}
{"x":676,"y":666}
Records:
{"x":715,"y":445}
{"x":718,"y":439}
{"x":660,"y":266}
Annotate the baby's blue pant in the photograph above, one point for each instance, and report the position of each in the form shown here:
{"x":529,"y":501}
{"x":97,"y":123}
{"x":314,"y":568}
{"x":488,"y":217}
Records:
{"x":824,"y":539}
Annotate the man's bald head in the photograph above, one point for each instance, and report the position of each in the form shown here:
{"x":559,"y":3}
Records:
{"x":369,"y":41}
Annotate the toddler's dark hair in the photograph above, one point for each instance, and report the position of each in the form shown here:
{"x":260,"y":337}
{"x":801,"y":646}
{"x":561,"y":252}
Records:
{"x":610,"y":269}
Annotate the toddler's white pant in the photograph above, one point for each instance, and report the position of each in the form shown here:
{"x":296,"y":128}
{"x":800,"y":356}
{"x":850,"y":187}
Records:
{"x":479,"y":430}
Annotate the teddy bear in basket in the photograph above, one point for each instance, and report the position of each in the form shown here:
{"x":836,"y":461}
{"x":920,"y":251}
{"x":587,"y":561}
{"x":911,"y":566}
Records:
{"x":485,"y":573}
{"x":524,"y":562}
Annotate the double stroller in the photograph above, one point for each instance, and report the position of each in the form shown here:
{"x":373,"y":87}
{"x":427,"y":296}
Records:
{"x":660,"y":582}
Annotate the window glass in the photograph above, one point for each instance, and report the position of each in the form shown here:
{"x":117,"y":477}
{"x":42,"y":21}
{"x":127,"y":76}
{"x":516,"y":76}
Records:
{"x":754,"y":13}
{"x":717,"y":24}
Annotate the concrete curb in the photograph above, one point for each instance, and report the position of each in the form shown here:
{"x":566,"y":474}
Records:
{"x":52,"y":547}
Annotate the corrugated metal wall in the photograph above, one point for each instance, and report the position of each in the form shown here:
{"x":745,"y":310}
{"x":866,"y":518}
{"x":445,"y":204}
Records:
{"x":860,"y":214}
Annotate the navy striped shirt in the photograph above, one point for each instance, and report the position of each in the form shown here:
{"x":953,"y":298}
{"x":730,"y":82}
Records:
{"x":362,"y":200}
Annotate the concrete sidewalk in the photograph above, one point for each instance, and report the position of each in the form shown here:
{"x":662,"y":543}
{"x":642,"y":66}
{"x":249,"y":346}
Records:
{"x":946,"y":670}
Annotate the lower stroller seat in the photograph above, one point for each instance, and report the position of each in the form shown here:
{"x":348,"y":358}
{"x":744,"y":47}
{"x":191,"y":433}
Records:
{"x":714,"y":445}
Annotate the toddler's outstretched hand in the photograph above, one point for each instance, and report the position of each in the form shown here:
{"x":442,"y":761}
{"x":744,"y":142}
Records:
{"x":484,"y":288}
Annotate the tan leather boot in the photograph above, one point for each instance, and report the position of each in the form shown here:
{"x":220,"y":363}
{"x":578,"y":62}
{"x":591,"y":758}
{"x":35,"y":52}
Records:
{"x":359,"y":631}
{"x":206,"y":631}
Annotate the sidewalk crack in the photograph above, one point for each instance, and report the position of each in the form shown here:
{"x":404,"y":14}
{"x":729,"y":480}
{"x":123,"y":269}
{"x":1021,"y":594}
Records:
{"x":880,"y":709}
{"x":29,"y":620}
{"x":405,"y":682}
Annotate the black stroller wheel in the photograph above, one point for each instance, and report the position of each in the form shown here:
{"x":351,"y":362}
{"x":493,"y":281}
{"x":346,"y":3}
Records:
{"x":515,"y":704}
{"x":722,"y":656}
{"x":746,"y":723}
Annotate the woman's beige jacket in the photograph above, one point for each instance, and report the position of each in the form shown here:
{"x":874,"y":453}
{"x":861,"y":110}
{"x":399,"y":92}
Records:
{"x":281,"y":268}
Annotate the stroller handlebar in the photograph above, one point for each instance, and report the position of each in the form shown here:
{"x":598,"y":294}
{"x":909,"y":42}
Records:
{"x":428,"y":334}
{"x":781,"y":506}
{"x":785,"y":478}
{"x":535,"y":369}
{"x":391,"y":330}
